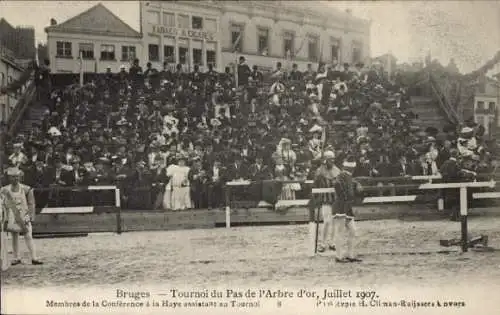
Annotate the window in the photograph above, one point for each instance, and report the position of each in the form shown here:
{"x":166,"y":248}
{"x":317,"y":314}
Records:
{"x":128,"y":53}
{"x":182,"y":21}
{"x":64,"y":49}
{"x":481,"y":87}
{"x":263,"y":40}
{"x":4,"y":112}
{"x":154,"y":17}
{"x":236,"y":38}
{"x":183,"y":55}
{"x":169,"y":19}
{"x":87,"y":51}
{"x":169,"y":53}
{"x":335,"y":49}
{"x":211,"y":59}
{"x":154,"y":52}
{"x":108,"y":52}
{"x":491,"y":106}
{"x":197,"y":56}
{"x":356,"y":53}
{"x":480,"y":105}
{"x":313,"y":48}
{"x":197,"y":23}
{"x":211,"y":25}
{"x":289,"y":43}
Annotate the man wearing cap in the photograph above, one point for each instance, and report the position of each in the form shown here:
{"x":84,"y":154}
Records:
{"x":18,"y":158}
{"x":467,"y":143}
{"x":19,"y":203}
{"x":346,"y":189}
{"x":325,"y":178}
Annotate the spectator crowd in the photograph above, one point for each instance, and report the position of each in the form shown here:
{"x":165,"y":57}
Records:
{"x":171,"y":139}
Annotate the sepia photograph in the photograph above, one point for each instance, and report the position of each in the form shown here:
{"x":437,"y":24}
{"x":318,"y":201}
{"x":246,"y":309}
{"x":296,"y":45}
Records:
{"x":258,"y":157}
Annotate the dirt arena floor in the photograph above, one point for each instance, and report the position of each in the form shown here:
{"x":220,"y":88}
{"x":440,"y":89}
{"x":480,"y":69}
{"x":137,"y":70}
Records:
{"x":392,"y":251}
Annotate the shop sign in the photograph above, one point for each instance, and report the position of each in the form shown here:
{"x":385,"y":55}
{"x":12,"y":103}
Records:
{"x":174,"y":31}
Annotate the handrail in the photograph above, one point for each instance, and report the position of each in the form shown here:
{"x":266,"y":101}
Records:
{"x":20,"y":107}
{"x":427,"y":178}
{"x":450,"y":111}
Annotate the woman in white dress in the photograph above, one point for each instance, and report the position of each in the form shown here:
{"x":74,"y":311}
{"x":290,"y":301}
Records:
{"x":177,"y":191}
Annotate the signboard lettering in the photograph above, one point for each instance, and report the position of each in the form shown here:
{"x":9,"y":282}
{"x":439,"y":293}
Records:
{"x":173,"y":31}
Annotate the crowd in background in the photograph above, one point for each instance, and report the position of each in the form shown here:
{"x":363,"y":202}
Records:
{"x":172,"y":139}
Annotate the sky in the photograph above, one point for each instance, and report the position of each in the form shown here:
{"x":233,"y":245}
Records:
{"x":467,"y":31}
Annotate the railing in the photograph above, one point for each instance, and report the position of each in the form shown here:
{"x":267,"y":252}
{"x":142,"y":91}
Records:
{"x":443,"y":102}
{"x":375,"y":191}
{"x":21,"y":106}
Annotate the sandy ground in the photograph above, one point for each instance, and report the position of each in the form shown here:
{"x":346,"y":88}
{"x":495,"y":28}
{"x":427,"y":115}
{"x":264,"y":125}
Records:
{"x":392,"y":252}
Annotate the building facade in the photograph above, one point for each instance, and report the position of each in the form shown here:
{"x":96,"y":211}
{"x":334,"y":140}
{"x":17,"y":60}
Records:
{"x":19,"y":40}
{"x":94,"y":40}
{"x":265,"y":32}
{"x":181,"y":32}
{"x":486,"y":104}
{"x":9,"y":72}
{"x":210,"y":32}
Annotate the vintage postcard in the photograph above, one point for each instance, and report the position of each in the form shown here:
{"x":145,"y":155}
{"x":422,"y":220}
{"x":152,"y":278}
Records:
{"x":253,"y":157}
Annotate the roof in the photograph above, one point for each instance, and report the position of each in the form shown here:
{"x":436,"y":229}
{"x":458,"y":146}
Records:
{"x":97,"y":20}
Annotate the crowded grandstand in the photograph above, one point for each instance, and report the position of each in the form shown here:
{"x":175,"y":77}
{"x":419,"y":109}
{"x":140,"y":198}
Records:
{"x":172,"y":139}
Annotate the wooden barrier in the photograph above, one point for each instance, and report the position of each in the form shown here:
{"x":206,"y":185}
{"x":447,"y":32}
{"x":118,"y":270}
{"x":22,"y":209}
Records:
{"x":85,"y":209}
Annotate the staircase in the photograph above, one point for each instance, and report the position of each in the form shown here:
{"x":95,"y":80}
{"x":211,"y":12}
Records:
{"x":429,"y":112}
{"x":23,"y":110}
{"x":32,"y":116}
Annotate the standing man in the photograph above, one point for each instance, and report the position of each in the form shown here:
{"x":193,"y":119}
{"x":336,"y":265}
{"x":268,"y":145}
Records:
{"x":346,"y":189}
{"x":244,"y":72}
{"x":450,"y":172}
{"x":325,"y":177}
{"x":19,"y":202}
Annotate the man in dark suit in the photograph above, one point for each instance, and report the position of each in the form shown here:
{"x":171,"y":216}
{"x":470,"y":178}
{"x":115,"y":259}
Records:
{"x":243,"y":72}
{"x":450,"y":172}
{"x":295,"y":74}
{"x":76,"y":177}
{"x":258,"y":172}
{"x":237,"y":170}
{"x":166,"y":74}
{"x":58,"y":176}
{"x":198,"y":179}
{"x":216,"y":180}
{"x":35,"y":177}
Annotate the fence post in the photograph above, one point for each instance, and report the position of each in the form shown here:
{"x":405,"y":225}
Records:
{"x":228,"y":205}
{"x":119,"y":211}
{"x":463,"y":217}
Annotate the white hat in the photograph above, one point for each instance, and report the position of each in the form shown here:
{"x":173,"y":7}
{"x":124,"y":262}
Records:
{"x":14,"y":171}
{"x":122,"y":67}
{"x":315,"y":128}
{"x":467,"y":130}
{"x":53,"y":131}
{"x":328,"y":155}
{"x":215,"y":122}
{"x":349,"y":164}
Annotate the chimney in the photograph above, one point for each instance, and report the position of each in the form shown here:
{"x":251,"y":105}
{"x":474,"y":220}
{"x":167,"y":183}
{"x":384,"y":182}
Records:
{"x":53,"y":22}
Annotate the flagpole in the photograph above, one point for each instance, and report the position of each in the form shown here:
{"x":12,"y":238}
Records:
{"x":236,"y":72}
{"x":81,"y":68}
{"x":233,"y":50}
{"x":389,"y":66}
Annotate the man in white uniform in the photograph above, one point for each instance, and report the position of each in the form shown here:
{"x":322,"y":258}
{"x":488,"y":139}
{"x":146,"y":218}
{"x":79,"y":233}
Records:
{"x":19,"y":204}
